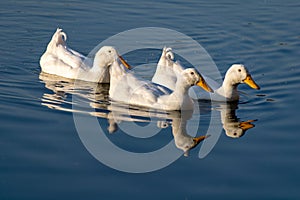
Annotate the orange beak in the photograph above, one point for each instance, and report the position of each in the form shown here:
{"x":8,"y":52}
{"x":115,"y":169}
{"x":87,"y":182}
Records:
{"x":124,"y":62}
{"x":197,"y":140}
{"x":246,"y":125}
{"x":202,"y":83}
{"x":249,"y":81}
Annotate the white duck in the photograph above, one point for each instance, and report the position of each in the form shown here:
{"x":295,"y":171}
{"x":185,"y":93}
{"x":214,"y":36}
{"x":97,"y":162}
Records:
{"x":235,"y":75}
{"x":126,"y":88}
{"x":167,"y":70}
{"x":60,"y":60}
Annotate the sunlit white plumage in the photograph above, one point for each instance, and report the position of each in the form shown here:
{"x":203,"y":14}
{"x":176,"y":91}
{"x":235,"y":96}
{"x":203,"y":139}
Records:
{"x":60,"y":60}
{"x":235,"y":75}
{"x":127,"y":88}
{"x":167,"y":70}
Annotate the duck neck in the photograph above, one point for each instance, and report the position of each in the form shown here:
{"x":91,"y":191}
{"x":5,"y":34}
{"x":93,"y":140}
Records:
{"x":116,"y":70}
{"x":181,"y":88}
{"x":181,"y":97}
{"x":100,"y":72}
{"x":229,"y":89}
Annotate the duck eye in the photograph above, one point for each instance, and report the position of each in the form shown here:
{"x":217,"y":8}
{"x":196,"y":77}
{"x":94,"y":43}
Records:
{"x":239,"y":70}
{"x":235,"y":134}
{"x":192,"y":73}
{"x":109,"y":51}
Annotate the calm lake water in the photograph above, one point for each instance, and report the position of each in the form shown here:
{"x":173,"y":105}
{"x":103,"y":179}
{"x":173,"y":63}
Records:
{"x":42,"y":156}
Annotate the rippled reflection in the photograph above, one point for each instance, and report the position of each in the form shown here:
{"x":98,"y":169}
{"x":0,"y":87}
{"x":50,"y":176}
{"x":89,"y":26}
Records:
{"x":232,"y":125}
{"x":63,"y":88}
{"x":97,"y":97}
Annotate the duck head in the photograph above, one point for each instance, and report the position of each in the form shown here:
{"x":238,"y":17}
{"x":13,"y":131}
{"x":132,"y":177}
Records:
{"x":106,"y":55}
{"x":237,"y":74}
{"x":193,"y":77}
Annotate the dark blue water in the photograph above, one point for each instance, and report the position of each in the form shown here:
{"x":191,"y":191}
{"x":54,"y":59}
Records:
{"x":42,"y":155}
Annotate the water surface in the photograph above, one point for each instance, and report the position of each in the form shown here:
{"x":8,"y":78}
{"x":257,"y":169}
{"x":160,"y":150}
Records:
{"x":42,"y":156}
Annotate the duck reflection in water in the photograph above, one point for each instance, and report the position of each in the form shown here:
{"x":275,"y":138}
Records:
{"x":63,"y":88}
{"x":175,"y":120}
{"x":96,"y":97}
{"x":182,"y":139}
{"x":232,"y":125}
